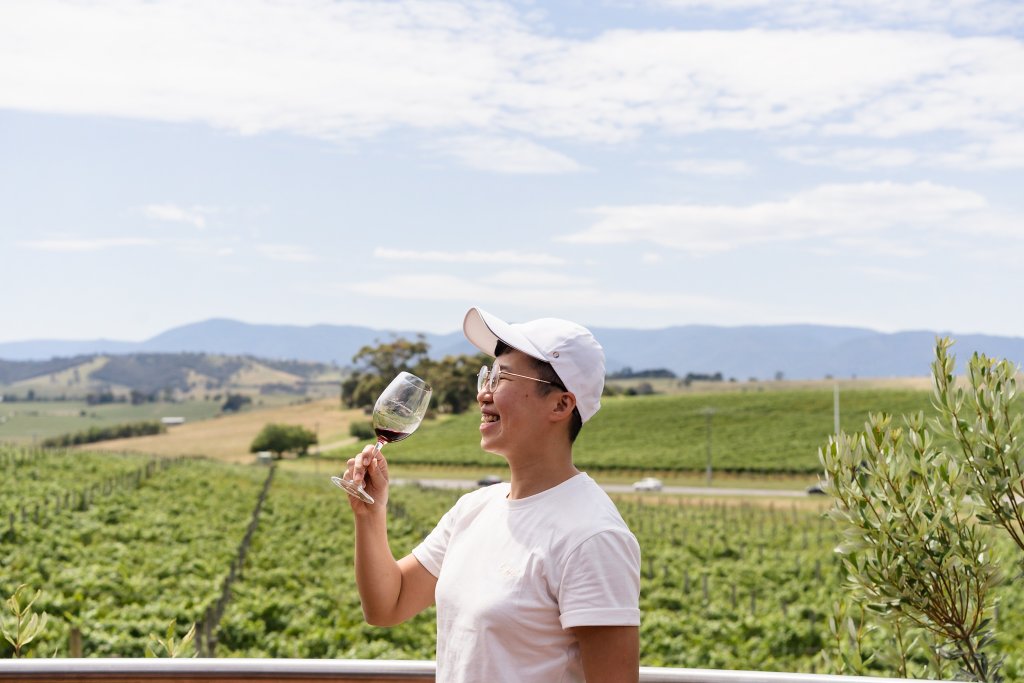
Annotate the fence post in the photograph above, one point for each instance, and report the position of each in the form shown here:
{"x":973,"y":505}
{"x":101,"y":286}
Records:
{"x":75,"y":642}
{"x":207,"y":628}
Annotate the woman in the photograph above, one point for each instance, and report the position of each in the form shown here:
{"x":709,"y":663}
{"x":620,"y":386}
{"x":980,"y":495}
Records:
{"x":534,"y":580}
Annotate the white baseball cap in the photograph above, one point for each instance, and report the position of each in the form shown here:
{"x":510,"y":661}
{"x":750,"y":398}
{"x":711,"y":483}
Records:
{"x":571,"y":350}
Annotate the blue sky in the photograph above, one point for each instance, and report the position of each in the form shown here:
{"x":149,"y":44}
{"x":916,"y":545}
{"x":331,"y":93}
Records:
{"x":631,"y":164}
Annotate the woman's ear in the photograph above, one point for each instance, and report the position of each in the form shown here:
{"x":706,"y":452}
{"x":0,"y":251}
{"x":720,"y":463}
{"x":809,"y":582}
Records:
{"x":563,"y":409}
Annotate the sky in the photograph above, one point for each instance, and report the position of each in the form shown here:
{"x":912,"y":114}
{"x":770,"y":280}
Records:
{"x":641,"y":164}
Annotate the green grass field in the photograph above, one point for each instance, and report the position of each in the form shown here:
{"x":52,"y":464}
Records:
{"x":30,"y":422}
{"x":770,"y":431}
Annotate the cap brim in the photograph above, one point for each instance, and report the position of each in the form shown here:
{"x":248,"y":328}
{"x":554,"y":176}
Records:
{"x":483,"y":330}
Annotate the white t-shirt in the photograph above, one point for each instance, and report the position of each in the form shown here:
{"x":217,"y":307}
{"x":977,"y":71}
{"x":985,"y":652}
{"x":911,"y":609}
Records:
{"x":513,"y":575}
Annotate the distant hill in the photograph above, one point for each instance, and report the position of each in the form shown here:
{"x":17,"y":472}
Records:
{"x":195,"y":374}
{"x":795,"y":351}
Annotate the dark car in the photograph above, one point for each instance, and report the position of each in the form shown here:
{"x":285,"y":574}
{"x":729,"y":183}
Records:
{"x":488,"y":479}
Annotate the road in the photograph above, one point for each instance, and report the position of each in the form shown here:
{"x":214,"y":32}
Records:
{"x":626,"y":488}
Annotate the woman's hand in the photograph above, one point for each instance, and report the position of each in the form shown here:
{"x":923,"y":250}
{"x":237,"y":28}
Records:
{"x":370,"y":467}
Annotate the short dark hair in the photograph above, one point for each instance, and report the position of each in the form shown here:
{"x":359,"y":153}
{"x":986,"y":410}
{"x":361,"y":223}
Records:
{"x":548,"y":374}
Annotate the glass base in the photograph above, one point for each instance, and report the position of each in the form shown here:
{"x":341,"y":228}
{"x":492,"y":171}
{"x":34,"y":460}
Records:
{"x":353,"y":489}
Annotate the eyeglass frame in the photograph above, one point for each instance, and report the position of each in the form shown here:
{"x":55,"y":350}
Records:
{"x":488,"y":379}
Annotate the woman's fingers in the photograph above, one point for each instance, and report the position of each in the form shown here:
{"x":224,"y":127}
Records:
{"x":360,"y":463}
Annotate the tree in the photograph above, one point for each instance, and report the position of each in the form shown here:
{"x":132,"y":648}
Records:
{"x":913,"y":500}
{"x":281,"y":438}
{"x":377,"y":365}
{"x":389,"y":359}
{"x":235,"y":402}
{"x":452,"y":379}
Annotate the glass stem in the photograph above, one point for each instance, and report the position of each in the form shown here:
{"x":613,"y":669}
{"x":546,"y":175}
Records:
{"x":376,"y":450}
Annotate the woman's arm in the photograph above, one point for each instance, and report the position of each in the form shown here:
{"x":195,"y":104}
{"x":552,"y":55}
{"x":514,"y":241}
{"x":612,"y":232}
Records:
{"x":390,"y":591}
{"x":610,"y":654}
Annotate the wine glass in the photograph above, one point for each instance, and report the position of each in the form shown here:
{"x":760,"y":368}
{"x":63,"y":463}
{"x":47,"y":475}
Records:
{"x":397,"y":413}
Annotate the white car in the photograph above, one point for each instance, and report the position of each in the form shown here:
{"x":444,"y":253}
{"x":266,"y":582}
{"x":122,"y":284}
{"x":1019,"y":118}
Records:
{"x":647,"y":484}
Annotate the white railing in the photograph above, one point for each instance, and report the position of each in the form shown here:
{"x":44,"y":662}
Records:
{"x":338,"y":670}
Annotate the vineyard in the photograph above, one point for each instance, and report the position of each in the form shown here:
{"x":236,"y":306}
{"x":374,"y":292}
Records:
{"x":670,"y":432}
{"x":667,"y":432}
{"x":120,"y":546}
{"x":261,"y":561}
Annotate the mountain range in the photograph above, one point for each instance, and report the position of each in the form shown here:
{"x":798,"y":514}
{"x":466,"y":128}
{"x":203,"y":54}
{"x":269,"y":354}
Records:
{"x":744,"y":352}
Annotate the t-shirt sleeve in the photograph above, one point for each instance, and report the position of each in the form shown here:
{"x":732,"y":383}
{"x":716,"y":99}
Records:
{"x":430,"y":552}
{"x":600,"y":584}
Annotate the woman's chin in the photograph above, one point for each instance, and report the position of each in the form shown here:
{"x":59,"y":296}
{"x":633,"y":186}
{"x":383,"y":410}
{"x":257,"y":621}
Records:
{"x":490,"y":444}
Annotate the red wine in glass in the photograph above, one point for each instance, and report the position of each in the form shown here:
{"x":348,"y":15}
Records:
{"x":390,"y":435}
{"x":397,"y":413}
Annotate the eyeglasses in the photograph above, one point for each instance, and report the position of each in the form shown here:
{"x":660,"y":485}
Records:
{"x":488,"y":378}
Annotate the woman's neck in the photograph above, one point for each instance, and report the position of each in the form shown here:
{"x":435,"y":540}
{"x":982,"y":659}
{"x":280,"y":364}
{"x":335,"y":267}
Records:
{"x":539,"y":472}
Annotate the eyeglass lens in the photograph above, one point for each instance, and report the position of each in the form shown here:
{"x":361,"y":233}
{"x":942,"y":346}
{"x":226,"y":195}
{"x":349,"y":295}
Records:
{"x":487,"y":379}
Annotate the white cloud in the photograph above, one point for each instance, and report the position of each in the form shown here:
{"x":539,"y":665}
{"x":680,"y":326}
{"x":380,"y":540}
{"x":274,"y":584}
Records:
{"x":81,"y":245}
{"x":535,"y":278}
{"x":203,"y":248}
{"x":500,"y":257}
{"x":507,"y":155}
{"x":437,"y":287}
{"x":172,"y":213}
{"x":974,"y":15}
{"x":326,"y":69}
{"x":894,"y":275}
{"x":1007,"y":259}
{"x":892,"y":244}
{"x":855,"y":211}
{"x":477,"y":71}
{"x":1001,"y":150}
{"x":286,"y":252}
{"x":997,"y":151}
{"x":852,"y":158}
{"x":712,"y":167}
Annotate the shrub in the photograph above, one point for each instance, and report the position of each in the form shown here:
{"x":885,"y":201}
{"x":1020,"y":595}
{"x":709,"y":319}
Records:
{"x":94,"y":434}
{"x":913,"y":497}
{"x":281,"y":438}
{"x":361,"y":430}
